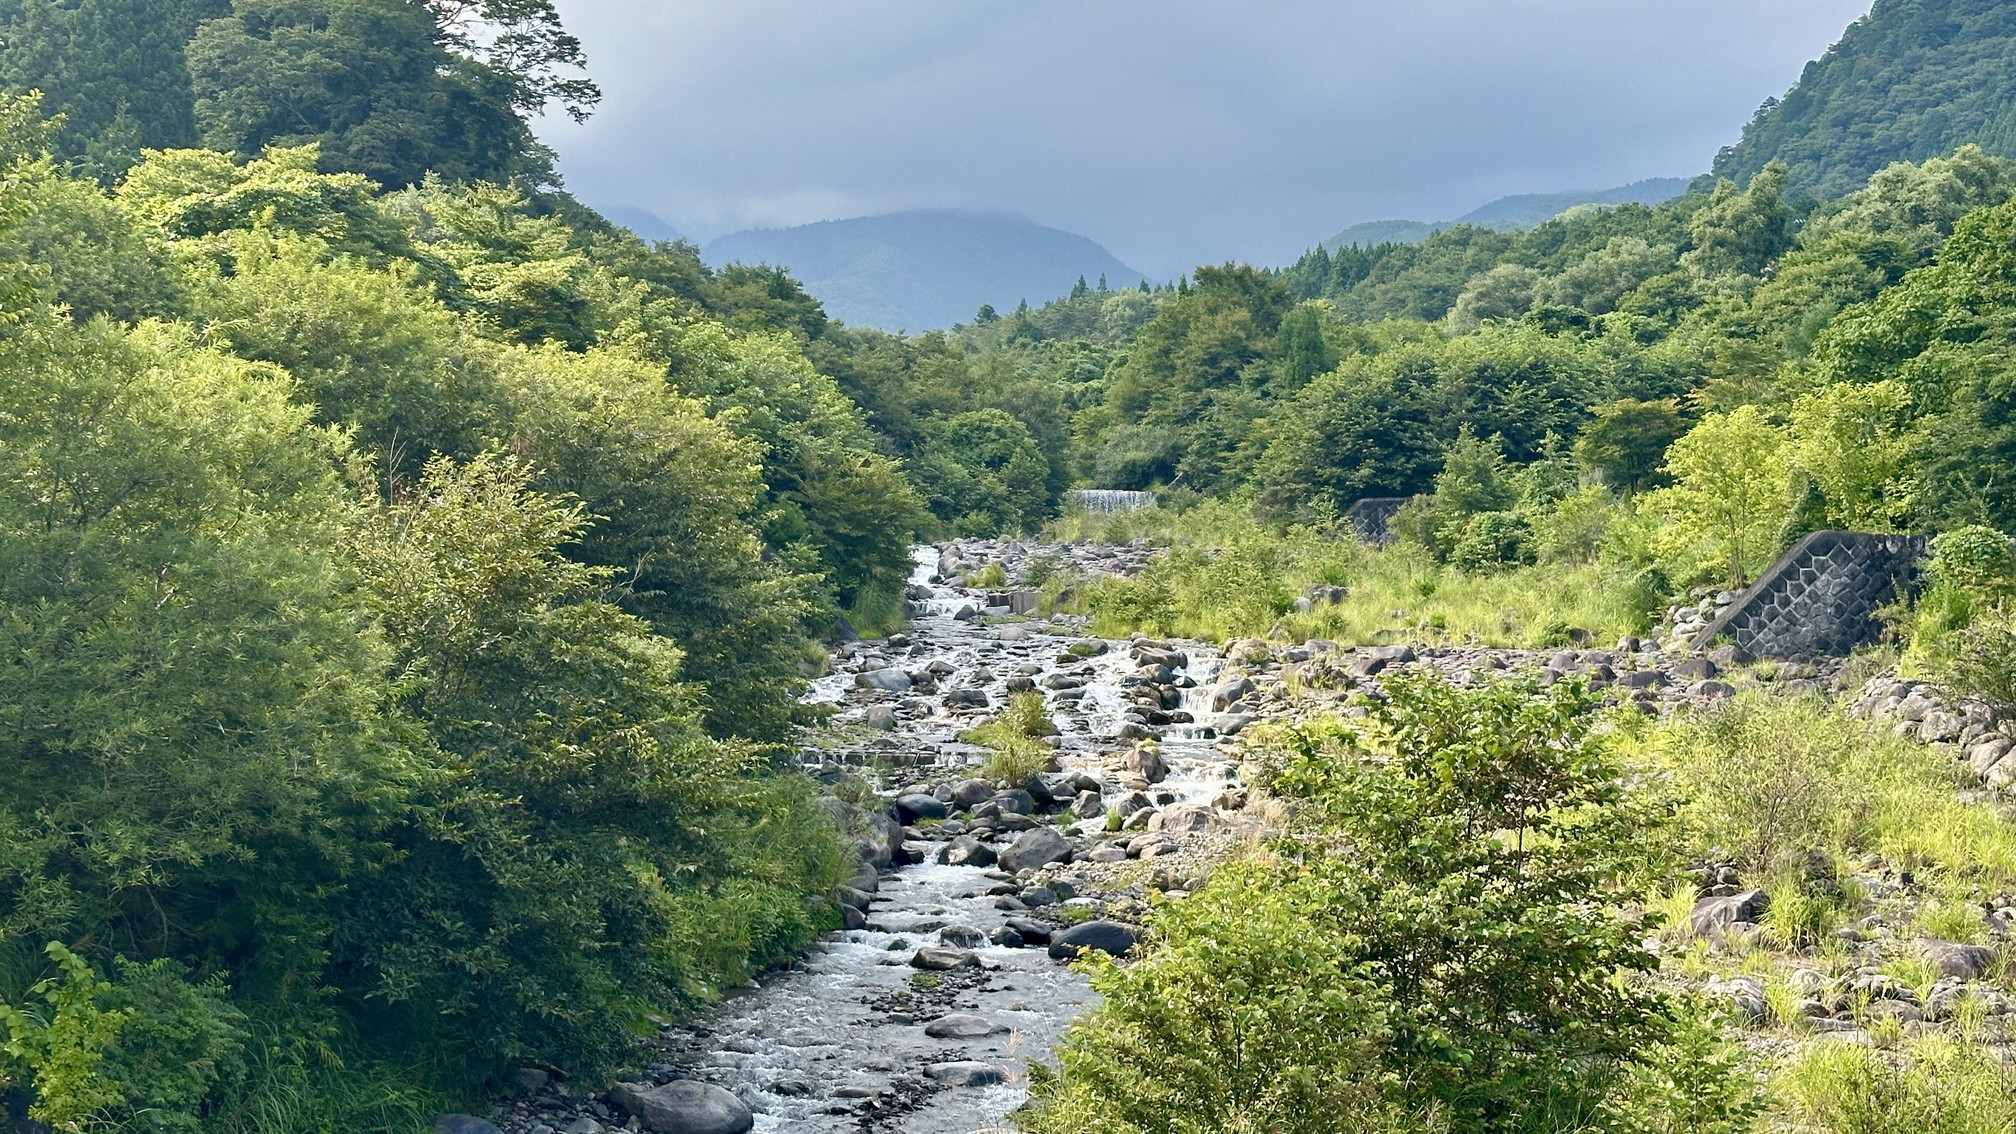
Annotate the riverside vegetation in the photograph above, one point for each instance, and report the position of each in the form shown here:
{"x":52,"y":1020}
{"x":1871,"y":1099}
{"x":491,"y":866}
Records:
{"x":410,"y":578}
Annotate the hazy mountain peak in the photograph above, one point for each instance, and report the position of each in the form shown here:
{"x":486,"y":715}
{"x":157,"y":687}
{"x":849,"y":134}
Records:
{"x":922,"y":269}
{"x":1519,"y":211}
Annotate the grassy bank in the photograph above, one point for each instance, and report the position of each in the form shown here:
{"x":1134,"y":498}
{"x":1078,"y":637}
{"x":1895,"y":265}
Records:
{"x":1226,"y":575}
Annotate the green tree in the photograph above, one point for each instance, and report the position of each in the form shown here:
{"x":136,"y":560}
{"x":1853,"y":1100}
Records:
{"x":114,"y":69}
{"x":1626,"y":440}
{"x":1738,"y":232}
{"x":1726,"y":507}
{"x":581,"y":797}
{"x":1442,"y":948}
{"x":1853,"y":442}
{"x":194,"y":695}
{"x":1504,"y":292}
{"x":375,"y":83}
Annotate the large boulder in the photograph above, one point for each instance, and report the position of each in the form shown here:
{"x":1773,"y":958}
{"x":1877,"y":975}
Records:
{"x":934,"y":959}
{"x":1147,"y":762}
{"x":1228,"y":692}
{"x":881,"y":843}
{"x":1034,"y":848}
{"x":1181,"y":819}
{"x":968,"y":794}
{"x":959,"y":1026}
{"x":684,"y":1106}
{"x":1103,"y":936}
{"x":916,"y":805}
{"x":1960,"y":962}
{"x":966,"y":851}
{"x":1711,"y":916}
{"x":887,"y":680}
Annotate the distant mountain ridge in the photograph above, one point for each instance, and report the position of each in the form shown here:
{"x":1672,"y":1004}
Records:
{"x":928,"y":268}
{"x":1914,"y":79}
{"x":1520,"y":211}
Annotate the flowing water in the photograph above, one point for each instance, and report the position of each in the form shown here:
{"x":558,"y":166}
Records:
{"x":839,"y":1043}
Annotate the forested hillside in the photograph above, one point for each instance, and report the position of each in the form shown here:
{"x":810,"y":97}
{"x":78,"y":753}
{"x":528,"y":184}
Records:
{"x":1508,"y":214}
{"x":1912,"y":80}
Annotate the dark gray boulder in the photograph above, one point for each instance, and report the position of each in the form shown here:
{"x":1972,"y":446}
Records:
{"x":1711,"y":916}
{"x":1104,"y":936}
{"x":684,"y":1106}
{"x":1031,"y":849}
{"x":463,"y":1124}
{"x":966,"y":851}
{"x":916,"y":805}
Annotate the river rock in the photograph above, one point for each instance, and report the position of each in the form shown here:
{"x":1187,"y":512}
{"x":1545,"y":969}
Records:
{"x":966,"y":1073}
{"x":887,"y":680}
{"x":1030,"y":930}
{"x":881,"y":844}
{"x":1148,"y":763}
{"x":1014,"y":801}
{"x":881,"y":718}
{"x":684,"y":1106}
{"x":1226,"y":692}
{"x":1104,"y":936}
{"x":1232,"y":724}
{"x":463,"y":1124}
{"x":969,"y":794}
{"x":917,"y":805}
{"x":1088,"y":805}
{"x":966,"y":851}
{"x":936,"y":960}
{"x":1961,"y":962}
{"x":962,"y":937}
{"x":1181,"y":819}
{"x":961,"y":1027}
{"x":1711,"y":916}
{"x":1035,"y":848}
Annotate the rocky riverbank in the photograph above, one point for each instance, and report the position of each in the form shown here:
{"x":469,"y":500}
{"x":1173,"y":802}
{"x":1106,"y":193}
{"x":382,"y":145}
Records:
{"x":950,"y":976}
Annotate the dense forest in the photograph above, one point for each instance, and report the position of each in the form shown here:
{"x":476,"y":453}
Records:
{"x":410,"y":577}
{"x":1913,"y":79}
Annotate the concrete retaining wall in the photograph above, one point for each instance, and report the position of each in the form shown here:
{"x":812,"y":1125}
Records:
{"x":1822,"y":596}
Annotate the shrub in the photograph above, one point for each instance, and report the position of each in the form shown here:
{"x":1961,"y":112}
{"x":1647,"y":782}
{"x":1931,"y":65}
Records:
{"x":1250,"y":1013}
{"x":1437,"y":942}
{"x":1016,"y":737}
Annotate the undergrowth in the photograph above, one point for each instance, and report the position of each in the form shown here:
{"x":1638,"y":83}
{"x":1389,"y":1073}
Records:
{"x":1225,"y":575}
{"x":1016,"y":739}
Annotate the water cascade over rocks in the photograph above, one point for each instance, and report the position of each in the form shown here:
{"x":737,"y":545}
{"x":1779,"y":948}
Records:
{"x":923,"y":1015}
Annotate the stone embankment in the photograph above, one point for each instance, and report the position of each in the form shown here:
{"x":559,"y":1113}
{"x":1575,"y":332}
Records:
{"x":1974,"y":732}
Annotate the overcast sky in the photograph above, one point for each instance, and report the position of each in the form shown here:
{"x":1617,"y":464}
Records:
{"x":1175,"y":132}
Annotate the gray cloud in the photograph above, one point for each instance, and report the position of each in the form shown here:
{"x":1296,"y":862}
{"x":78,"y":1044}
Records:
{"x":1175,"y":132}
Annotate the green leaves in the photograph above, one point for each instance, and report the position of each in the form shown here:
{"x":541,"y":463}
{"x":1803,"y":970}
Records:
{"x":1435,"y":945}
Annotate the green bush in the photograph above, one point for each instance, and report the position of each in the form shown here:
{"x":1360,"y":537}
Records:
{"x":1016,"y":737}
{"x":1437,"y":942}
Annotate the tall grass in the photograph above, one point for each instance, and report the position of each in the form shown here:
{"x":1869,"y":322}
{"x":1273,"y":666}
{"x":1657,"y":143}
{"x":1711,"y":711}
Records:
{"x":1226,"y":575}
{"x":1016,"y":739}
{"x":1933,"y":1085}
{"x":1773,"y":783}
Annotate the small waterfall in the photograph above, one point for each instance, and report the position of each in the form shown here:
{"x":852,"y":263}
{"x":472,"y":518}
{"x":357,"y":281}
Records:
{"x":1110,"y":500}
